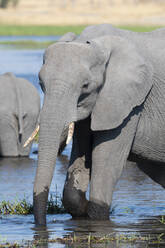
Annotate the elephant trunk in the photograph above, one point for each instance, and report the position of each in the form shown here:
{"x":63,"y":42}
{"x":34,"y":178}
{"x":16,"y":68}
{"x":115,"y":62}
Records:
{"x":54,"y":118}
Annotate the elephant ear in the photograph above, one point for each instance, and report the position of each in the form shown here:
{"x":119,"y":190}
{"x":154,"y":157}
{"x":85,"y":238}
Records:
{"x":68,"y":37}
{"x":128,"y":80}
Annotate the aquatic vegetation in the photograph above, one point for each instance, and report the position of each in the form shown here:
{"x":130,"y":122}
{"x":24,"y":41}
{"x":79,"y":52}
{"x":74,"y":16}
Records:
{"x":159,"y":237}
{"x":90,"y":240}
{"x":23,"y":207}
{"x":55,"y":205}
{"x":8,"y":245}
{"x":5,"y":244}
{"x":162,"y":219}
{"x":17,"y":207}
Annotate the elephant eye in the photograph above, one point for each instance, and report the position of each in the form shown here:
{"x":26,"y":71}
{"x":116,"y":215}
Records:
{"x":85,"y":86}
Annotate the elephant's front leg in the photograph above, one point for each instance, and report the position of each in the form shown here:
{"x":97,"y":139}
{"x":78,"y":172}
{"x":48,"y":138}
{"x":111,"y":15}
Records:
{"x":78,"y":175}
{"x":110,"y":152}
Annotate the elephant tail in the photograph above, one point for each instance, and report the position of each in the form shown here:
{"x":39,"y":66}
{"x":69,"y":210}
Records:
{"x":20,"y":113}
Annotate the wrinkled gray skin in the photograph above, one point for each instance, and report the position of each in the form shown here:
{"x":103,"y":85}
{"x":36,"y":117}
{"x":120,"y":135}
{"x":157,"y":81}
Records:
{"x":19,"y":111}
{"x":111,"y":83}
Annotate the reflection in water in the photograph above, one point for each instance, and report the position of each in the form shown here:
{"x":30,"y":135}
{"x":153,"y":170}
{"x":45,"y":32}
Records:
{"x":16,"y":176}
{"x":145,"y":198}
{"x":41,"y":234}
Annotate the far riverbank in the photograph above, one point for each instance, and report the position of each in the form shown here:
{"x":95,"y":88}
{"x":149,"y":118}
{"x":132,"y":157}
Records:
{"x":44,"y":30}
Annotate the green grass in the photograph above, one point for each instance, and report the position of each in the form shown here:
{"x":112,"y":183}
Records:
{"x":39,"y":30}
{"x":15,"y":207}
{"x":140,"y":28}
{"x":57,"y":30}
{"x":23,"y":207}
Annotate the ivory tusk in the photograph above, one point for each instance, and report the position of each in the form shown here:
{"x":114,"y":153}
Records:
{"x":32,"y":136}
{"x":70,"y":133}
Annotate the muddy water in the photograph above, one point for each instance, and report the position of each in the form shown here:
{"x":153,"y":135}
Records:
{"x":137,"y":200}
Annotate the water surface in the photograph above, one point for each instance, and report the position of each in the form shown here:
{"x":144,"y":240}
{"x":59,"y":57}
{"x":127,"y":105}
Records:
{"x":30,"y":38}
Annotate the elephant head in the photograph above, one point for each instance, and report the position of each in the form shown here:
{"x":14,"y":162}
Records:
{"x":104,"y":78}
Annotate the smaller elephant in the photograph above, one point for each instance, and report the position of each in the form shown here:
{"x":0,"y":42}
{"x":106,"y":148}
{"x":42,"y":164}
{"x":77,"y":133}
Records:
{"x":19,"y":112}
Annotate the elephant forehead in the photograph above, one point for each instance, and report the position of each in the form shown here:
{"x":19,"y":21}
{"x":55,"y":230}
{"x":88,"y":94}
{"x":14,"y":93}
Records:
{"x":64,"y":50}
{"x":63,"y":61}
{"x":64,"y":71}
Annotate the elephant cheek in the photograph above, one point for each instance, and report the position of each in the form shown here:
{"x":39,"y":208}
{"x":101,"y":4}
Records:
{"x":85,"y":107}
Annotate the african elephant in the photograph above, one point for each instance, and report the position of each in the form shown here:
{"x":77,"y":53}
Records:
{"x":19,"y":111}
{"x":111,"y":83}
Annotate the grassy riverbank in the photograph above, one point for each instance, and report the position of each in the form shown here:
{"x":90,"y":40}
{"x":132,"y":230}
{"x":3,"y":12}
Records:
{"x":57,"y":30}
{"x":39,"y":30}
{"x":46,"y":31}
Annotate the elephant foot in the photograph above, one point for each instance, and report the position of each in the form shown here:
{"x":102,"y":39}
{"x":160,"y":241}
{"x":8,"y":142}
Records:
{"x":98,"y":212}
{"x":75,"y":202}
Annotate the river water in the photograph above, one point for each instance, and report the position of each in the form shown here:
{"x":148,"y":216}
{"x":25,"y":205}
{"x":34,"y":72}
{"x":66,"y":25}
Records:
{"x":137,"y":204}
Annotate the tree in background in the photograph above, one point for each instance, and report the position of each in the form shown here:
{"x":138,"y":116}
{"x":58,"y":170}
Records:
{"x":4,"y":3}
